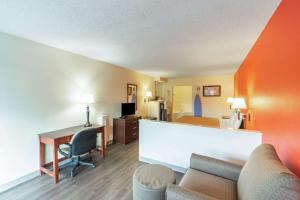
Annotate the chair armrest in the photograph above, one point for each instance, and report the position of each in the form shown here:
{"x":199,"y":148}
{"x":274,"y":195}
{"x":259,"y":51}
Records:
{"x":216,"y":167}
{"x":63,"y":153}
{"x":175,"y":192}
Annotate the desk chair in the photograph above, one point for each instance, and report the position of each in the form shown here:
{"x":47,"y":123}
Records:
{"x":81,"y":144}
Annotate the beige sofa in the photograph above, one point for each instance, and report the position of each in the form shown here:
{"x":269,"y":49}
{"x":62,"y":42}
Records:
{"x":263,"y":177}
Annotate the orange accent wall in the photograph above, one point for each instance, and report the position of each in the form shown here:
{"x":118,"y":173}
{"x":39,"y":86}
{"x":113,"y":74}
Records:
{"x":269,"y":79}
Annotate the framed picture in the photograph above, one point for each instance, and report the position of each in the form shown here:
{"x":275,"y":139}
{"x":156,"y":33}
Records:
{"x":212,"y":91}
{"x":129,"y":90}
{"x":132,"y":94}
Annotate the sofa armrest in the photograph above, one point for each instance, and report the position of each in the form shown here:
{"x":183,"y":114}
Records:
{"x":175,"y":192}
{"x":216,"y":167}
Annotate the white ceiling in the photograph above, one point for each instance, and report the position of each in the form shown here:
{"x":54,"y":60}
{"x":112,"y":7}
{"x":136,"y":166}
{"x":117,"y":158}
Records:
{"x":171,"y":38}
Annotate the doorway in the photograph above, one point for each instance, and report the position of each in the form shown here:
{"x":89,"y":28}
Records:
{"x":182,"y":100}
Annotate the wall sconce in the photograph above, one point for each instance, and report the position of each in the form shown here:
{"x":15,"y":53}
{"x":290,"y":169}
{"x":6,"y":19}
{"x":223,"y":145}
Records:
{"x":148,"y":96}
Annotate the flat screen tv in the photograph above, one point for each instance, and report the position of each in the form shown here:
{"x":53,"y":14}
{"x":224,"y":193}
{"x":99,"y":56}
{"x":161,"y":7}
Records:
{"x":128,"y":109}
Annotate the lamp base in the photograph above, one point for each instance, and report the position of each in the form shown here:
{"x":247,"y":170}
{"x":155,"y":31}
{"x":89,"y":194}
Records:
{"x":88,"y":124}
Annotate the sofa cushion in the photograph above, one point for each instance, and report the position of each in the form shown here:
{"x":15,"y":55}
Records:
{"x":265,"y":177}
{"x":208,"y":184}
{"x":215,"y":167}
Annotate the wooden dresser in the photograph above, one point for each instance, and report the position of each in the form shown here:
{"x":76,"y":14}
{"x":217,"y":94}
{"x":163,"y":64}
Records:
{"x":126,"y":130}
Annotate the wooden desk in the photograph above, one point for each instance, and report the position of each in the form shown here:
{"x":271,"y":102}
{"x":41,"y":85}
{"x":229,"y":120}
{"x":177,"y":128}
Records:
{"x":56,"y":138}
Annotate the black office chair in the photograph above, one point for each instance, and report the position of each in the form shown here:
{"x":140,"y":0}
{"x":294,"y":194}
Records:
{"x":81,"y":144}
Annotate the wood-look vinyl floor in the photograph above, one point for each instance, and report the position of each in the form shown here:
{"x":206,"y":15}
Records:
{"x":110,"y":180}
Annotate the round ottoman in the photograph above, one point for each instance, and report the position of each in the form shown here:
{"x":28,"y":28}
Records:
{"x":150,"y":182}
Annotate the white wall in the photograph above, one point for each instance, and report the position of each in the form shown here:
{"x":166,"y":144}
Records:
{"x":172,"y":144}
{"x":211,"y":106}
{"x":38,"y":85}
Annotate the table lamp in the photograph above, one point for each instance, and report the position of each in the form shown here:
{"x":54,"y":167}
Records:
{"x":230,"y":101}
{"x":87,"y":99}
{"x":237,"y":104}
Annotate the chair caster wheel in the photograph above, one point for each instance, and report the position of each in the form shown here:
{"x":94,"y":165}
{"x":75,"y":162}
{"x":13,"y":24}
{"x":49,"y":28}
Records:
{"x":73,"y":174}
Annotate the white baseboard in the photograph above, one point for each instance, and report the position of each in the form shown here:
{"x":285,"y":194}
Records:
{"x":18,"y":181}
{"x":173,"y":167}
{"x":26,"y":178}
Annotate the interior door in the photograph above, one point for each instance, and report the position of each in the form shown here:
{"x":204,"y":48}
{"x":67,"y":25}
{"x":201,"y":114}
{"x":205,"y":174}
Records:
{"x":182,"y":99}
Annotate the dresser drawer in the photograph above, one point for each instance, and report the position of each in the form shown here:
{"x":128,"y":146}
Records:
{"x":133,"y":122}
{"x":131,"y":125}
{"x":131,"y":136}
{"x":126,"y":130}
{"x":132,"y":130}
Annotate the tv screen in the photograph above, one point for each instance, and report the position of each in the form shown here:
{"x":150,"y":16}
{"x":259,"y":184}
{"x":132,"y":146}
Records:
{"x":128,"y":109}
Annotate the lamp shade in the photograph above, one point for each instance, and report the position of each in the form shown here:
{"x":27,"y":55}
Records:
{"x":239,"y":103}
{"x":148,"y":94}
{"x":230,"y":100}
{"x":87,"y":99}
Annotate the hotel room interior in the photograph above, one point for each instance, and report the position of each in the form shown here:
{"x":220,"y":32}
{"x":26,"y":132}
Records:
{"x":149,"y":99}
